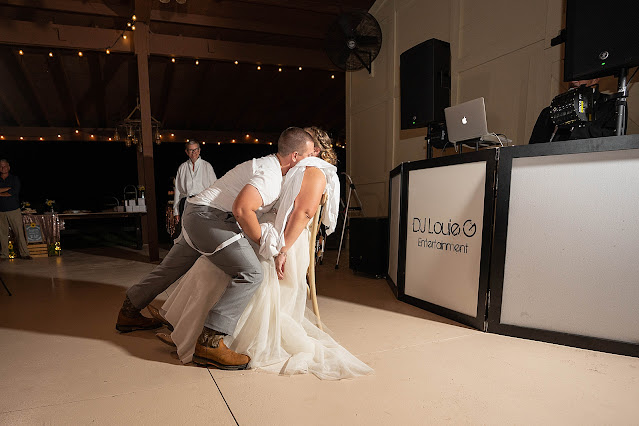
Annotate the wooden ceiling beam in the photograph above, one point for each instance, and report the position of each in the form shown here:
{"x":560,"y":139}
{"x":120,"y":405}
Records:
{"x":167,"y":85}
{"x":255,"y":23}
{"x":20,"y":74}
{"x":111,"y":67}
{"x":61,"y":82}
{"x":24,"y":33}
{"x":72,"y":6}
{"x":97,"y":87}
{"x":8,"y":106}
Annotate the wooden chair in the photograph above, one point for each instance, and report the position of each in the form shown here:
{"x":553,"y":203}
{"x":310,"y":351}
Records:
{"x":312,"y":293}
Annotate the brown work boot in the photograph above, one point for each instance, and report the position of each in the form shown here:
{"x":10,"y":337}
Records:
{"x":210,"y":350}
{"x":166,"y":338}
{"x":155,"y":313}
{"x":130,"y":319}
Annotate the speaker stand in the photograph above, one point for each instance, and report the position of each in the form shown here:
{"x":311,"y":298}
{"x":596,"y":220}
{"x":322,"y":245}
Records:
{"x":351,"y":189}
{"x":622,"y":95}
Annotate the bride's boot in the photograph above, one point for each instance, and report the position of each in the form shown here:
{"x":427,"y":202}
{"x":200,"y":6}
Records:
{"x":211,"y":350}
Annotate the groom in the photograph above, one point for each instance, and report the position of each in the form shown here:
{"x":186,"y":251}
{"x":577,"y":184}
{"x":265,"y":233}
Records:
{"x":212,"y":219}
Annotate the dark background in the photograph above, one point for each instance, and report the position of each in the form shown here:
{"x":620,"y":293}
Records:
{"x":82,"y":175}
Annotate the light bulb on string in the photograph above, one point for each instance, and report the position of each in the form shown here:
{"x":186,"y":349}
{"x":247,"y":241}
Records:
{"x":108,"y":52}
{"x":20,"y":52}
{"x":80,"y":53}
{"x":133,"y":27}
{"x":50,"y":54}
{"x":197,"y":62}
{"x":134,"y":17}
{"x":124,"y":36}
{"x":236,"y":62}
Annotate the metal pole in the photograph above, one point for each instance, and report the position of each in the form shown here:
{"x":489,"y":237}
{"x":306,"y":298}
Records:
{"x":622,"y":90}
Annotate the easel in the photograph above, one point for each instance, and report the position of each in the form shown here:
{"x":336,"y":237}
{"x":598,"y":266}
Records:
{"x":351,"y":190}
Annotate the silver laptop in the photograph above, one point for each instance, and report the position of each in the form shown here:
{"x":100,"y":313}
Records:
{"x":466,"y":121}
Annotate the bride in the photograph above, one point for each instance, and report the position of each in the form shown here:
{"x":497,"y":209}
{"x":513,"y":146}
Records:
{"x":276,"y":330}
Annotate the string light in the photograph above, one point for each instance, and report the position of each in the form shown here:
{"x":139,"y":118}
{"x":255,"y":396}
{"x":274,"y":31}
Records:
{"x":109,"y":139}
{"x":80,"y":53}
{"x":203,"y":142}
{"x":50,"y":54}
{"x":247,"y":136}
{"x":59,"y":136}
{"x":128,"y":24}
{"x":219,"y":143}
{"x":108,"y":52}
{"x":172,"y":135}
{"x":197,"y":62}
{"x":20,"y":52}
{"x":270,"y":143}
{"x":21,"y":138}
{"x":232,"y":140}
{"x":77,"y":131}
{"x":259,"y":67}
{"x":333,"y":76}
{"x":2,"y":137}
{"x":41,"y":138}
{"x":124,"y":36}
{"x":236,"y":62}
{"x":133,"y":17}
{"x":133,"y":27}
{"x":92,"y":136}
{"x":257,"y":140}
{"x":300,"y":68}
{"x":173,"y":60}
{"x":279,"y":69}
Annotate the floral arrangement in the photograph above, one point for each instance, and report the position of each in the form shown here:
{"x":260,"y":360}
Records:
{"x":25,"y":205}
{"x":50,"y":203}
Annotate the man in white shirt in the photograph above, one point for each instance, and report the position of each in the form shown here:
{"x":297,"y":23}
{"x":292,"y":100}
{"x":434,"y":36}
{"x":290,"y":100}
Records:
{"x":193,"y":176}
{"x":214,"y":223}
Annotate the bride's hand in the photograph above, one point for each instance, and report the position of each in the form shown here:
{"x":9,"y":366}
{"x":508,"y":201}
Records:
{"x":280,"y":261}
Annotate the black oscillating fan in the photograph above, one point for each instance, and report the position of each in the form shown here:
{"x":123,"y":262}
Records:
{"x":353,"y":41}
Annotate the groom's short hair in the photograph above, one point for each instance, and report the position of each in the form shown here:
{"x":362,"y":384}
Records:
{"x":293,"y":139}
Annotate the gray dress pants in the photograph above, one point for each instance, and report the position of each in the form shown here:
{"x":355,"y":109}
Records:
{"x":208,"y":228}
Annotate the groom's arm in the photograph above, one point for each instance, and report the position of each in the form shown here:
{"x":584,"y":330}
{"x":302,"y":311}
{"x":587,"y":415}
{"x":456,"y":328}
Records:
{"x":244,"y":208}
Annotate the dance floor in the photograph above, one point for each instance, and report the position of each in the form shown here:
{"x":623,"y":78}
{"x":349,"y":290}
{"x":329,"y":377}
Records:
{"x":62,"y":362}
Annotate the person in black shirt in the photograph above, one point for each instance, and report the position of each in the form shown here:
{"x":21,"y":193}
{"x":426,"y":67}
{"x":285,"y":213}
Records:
{"x":10,"y":212}
{"x":604,"y":123}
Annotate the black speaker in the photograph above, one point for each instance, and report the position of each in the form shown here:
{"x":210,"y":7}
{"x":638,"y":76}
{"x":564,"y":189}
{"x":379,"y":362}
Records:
{"x":424,"y":72}
{"x":601,"y":38}
{"x":368,"y":245}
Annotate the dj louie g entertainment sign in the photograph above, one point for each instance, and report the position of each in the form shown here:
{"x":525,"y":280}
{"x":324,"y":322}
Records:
{"x":444,"y":236}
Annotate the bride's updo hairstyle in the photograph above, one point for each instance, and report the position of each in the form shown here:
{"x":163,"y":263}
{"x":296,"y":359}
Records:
{"x":324,"y":143}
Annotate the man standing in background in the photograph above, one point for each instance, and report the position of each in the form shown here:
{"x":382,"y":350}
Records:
{"x":193,"y":176}
{"x":10,"y":214}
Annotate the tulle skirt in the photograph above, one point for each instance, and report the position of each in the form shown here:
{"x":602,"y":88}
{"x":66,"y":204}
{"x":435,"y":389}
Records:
{"x":276,"y":329}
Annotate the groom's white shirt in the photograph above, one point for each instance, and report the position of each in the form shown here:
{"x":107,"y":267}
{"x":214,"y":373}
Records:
{"x":265,"y":174}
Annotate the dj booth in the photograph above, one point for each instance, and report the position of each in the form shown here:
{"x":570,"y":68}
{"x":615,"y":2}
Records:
{"x":534,"y":241}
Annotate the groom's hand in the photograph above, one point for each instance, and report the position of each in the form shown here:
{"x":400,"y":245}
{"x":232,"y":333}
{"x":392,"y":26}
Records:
{"x":280,"y":261}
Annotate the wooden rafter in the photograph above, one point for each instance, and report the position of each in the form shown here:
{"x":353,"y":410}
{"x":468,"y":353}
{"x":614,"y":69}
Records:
{"x":61,"y":82}
{"x":97,"y":87}
{"x":167,"y":84}
{"x":197,"y":96}
{"x":111,"y":66}
{"x":8,"y":106}
{"x":20,"y":75}
{"x":84,"y":38}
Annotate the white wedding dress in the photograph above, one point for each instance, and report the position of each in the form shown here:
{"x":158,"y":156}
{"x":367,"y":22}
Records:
{"x":276,"y":330}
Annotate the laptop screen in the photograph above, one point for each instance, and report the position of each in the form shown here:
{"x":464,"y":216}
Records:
{"x":466,"y":121}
